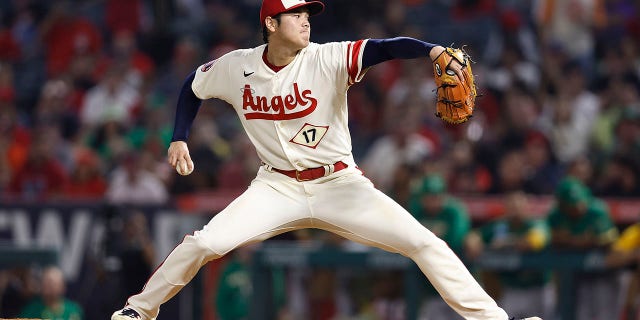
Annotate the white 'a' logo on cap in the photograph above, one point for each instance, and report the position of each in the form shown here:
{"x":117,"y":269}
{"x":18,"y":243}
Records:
{"x":290,"y":3}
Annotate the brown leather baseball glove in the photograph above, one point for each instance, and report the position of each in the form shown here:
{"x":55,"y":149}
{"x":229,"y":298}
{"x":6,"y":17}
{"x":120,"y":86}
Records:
{"x":456,"y":96}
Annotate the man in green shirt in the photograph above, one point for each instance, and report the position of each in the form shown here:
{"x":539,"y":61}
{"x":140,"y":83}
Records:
{"x":52,"y":304}
{"x":234,"y":292}
{"x":441,"y":213}
{"x":447,"y":218}
{"x":522,"y":291}
{"x":580,"y":222}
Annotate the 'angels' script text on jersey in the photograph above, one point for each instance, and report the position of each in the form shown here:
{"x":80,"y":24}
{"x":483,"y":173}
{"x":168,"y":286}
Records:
{"x":281,"y":106}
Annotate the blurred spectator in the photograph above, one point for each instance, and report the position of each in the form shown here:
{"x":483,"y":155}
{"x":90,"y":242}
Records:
{"x":234,"y":292}
{"x":103,"y":286}
{"x":627,"y":133}
{"x":207,"y":149}
{"x":402,"y":180}
{"x":625,"y":252}
{"x":580,"y":222}
{"x":110,"y":141}
{"x":152,"y":131}
{"x":239,"y":168}
{"x":513,"y":69}
{"x":138,"y":68}
{"x":123,"y":15}
{"x":42,"y":176}
{"x":581,"y":169}
{"x":321,"y":298}
{"x":569,"y":24}
{"x":542,"y":172}
{"x":54,"y":106}
{"x":466,"y":174}
{"x":523,"y":292}
{"x":571,"y":114}
{"x":136,"y":252}
{"x":388,"y":302}
{"x":312,"y":293}
{"x":12,"y":127}
{"x":414,"y":84}
{"x":113,"y":99}
{"x":68,"y":36}
{"x":615,"y":96}
{"x":440,"y":212}
{"x":52,"y":303}
{"x":402,"y":145}
{"x":448,"y":219}
{"x":86,"y":179}
{"x":620,"y":14}
{"x":18,"y":286}
{"x":619,"y":178}
{"x":10,"y":47}
{"x":521,"y":112}
{"x":510,"y":172}
{"x":187,"y":55}
{"x":130,"y":183}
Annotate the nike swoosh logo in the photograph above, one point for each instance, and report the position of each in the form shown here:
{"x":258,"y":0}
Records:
{"x":246,"y":74}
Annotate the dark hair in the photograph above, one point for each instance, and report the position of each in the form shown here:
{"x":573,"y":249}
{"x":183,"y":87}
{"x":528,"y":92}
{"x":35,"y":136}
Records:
{"x":265,"y":32}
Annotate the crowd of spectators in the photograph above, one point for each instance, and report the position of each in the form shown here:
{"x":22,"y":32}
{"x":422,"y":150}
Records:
{"x":88,"y":91}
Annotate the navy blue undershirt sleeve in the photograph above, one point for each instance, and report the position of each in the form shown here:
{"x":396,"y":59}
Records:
{"x":380,"y":50}
{"x":186,"y":110}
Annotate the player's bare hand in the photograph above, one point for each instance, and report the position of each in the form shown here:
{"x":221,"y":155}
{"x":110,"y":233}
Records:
{"x":179,"y":158}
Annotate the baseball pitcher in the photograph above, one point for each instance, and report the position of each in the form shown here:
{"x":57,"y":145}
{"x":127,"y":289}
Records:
{"x":291,"y":97}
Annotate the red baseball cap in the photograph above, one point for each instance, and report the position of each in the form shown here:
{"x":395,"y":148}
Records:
{"x":271,"y":8}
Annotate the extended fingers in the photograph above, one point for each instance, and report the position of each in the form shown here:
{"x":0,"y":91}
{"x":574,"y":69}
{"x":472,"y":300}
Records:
{"x":188,"y":161}
{"x":458,"y":69}
{"x":171,"y":158}
{"x":175,"y":158}
{"x":177,"y":152}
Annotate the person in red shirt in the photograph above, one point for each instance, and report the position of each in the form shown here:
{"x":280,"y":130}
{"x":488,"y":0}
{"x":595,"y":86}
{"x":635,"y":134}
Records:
{"x":85,"y":179}
{"x":67,"y":37}
{"x":41,"y":176}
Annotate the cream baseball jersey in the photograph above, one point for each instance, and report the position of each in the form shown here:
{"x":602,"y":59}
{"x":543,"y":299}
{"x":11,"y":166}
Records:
{"x":303,"y":106}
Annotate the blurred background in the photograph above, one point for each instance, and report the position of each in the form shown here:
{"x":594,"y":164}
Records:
{"x":539,"y":193}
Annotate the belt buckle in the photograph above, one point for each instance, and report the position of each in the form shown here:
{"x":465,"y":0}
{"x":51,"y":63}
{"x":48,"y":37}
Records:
{"x":300,"y":179}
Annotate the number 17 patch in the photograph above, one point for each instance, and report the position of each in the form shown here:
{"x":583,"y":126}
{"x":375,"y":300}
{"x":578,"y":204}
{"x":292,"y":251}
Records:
{"x":310,"y":135}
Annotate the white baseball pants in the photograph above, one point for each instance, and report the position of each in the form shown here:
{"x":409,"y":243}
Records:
{"x":345,"y":203}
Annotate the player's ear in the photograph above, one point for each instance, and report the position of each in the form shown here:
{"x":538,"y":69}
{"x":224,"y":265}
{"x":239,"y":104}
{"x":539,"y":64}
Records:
{"x":270,"y":23}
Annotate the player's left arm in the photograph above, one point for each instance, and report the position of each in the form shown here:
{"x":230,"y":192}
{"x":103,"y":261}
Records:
{"x":380,"y":50}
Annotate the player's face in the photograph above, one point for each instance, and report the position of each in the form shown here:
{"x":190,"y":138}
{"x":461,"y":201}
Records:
{"x":294,"y":29}
{"x":432,"y":203}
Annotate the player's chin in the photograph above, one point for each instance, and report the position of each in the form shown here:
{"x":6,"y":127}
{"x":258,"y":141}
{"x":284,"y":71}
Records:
{"x":302,"y":44}
{"x":305,"y":38}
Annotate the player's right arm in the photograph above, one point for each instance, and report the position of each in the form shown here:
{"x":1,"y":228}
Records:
{"x":186,"y":110}
{"x":380,"y":50}
{"x":210,"y":80}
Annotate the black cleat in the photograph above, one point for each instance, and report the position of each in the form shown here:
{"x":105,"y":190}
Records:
{"x":126,"y":314}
